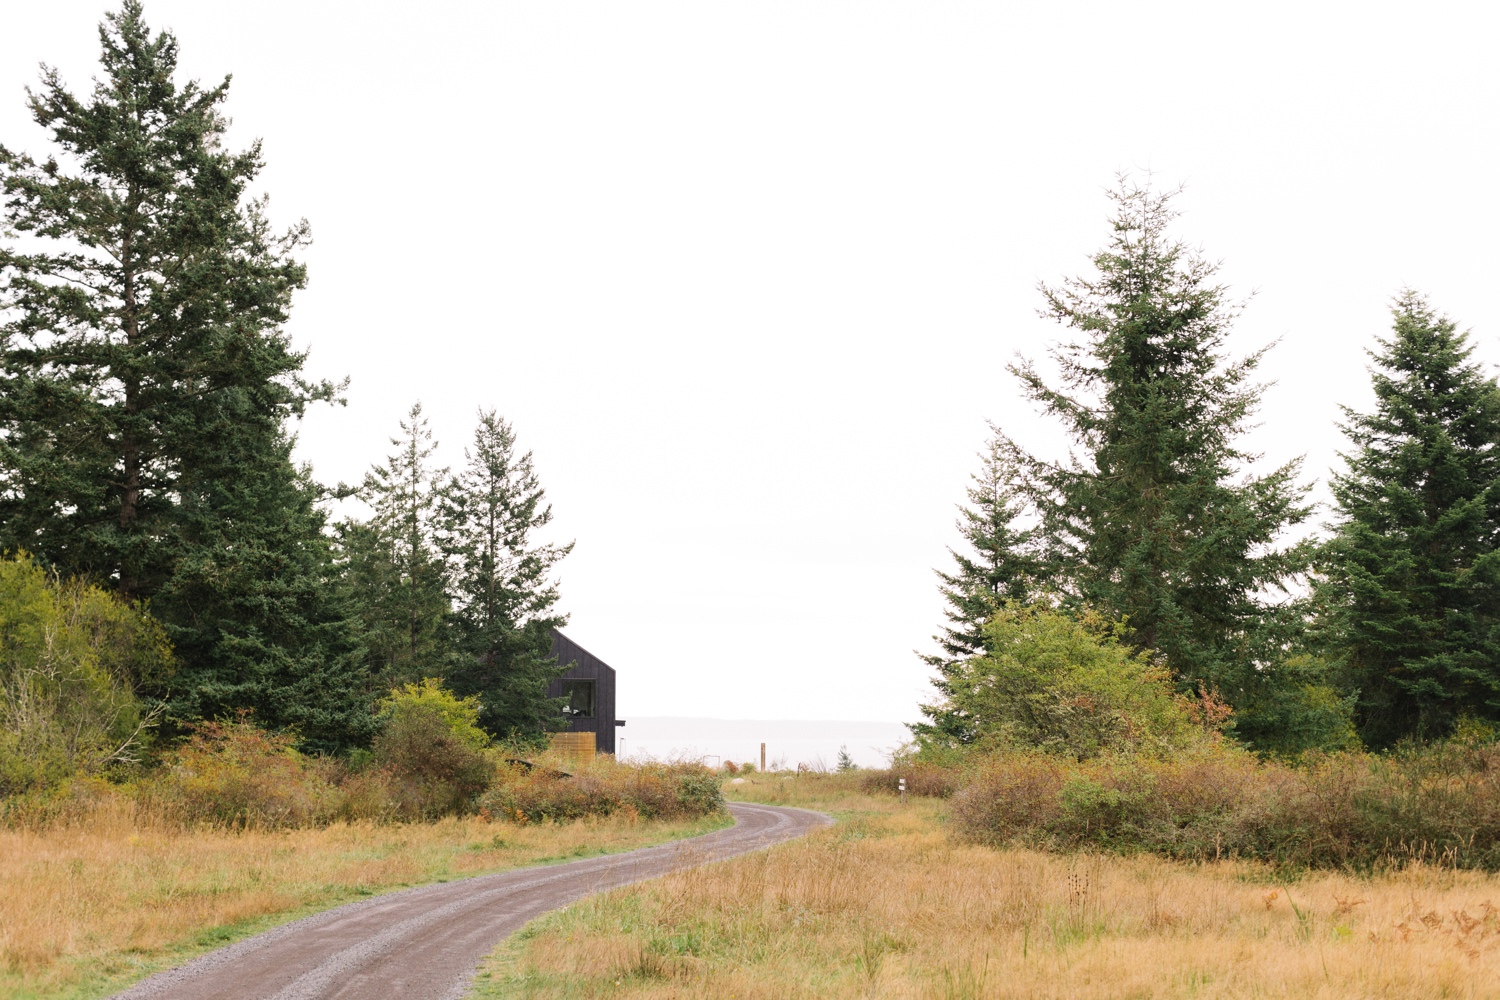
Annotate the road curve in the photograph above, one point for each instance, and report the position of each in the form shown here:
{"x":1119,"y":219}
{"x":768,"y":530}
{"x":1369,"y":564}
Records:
{"x":427,"y":942}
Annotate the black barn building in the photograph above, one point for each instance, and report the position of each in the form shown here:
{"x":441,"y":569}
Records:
{"x":589,"y":685}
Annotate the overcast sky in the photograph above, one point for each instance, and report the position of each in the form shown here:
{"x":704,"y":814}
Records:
{"x":746,"y":276}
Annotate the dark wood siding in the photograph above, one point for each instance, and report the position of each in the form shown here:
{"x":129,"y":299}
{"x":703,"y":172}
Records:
{"x":583,"y":665}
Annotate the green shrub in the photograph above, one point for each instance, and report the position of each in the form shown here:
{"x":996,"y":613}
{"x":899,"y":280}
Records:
{"x":1066,"y":685}
{"x":70,"y":659}
{"x":430,"y":751}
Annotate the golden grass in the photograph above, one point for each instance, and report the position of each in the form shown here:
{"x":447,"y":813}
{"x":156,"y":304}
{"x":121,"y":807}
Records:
{"x":90,"y":906}
{"x":886,"y":904}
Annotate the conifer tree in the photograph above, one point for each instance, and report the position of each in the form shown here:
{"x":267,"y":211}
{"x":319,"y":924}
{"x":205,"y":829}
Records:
{"x":146,"y":386}
{"x":1002,"y":565}
{"x":503,"y":592}
{"x":254,"y":608}
{"x":1154,"y":519}
{"x":1411,"y":588}
{"x":393,"y":570}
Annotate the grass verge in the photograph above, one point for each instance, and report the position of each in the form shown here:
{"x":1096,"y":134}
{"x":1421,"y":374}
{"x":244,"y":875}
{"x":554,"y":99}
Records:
{"x":888,"y":904}
{"x":94,"y":905}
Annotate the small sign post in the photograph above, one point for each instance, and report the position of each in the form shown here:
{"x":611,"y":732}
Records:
{"x":903,"y":791}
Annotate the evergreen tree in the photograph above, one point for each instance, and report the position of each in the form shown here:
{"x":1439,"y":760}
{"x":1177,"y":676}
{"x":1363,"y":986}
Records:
{"x":392,"y":568}
{"x":1153,"y":519}
{"x":503,"y":593}
{"x":146,"y":385}
{"x":1411,"y":591}
{"x":254,"y":609}
{"x":1002,"y":566}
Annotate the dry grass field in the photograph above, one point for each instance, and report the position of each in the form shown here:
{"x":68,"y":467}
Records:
{"x":92,"y":905}
{"x":886,"y":904}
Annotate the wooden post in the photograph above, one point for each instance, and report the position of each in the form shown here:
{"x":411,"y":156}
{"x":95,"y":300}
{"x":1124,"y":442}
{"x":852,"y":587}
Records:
{"x":903,"y":791}
{"x":762,"y":758}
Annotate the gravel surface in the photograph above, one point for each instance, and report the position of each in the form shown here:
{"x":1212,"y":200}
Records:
{"x":427,"y":942}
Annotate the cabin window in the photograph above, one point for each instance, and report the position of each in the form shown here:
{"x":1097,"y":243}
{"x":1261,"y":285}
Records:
{"x":580,"y":699}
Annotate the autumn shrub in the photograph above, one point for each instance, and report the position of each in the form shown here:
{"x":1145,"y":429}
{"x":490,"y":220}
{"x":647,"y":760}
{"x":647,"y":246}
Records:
{"x":231,"y":773}
{"x":1350,"y":810}
{"x":922,"y":778}
{"x":75,"y":801}
{"x":603,"y":787}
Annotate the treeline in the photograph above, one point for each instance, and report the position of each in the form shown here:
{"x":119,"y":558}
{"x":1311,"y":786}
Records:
{"x":164,"y":562}
{"x":1116,"y":600}
{"x":1135,"y":658}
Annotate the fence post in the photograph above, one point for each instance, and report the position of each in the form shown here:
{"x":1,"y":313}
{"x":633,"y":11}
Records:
{"x":762,"y":758}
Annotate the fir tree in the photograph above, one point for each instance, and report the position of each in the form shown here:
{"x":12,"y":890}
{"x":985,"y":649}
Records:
{"x":1154,"y":519}
{"x":1002,"y":565}
{"x":503,"y":593}
{"x":146,"y":384}
{"x":1411,"y":592}
{"x":254,"y":610}
{"x":392,"y":568}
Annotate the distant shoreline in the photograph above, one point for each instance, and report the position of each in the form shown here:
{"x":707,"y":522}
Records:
{"x":789,"y":742}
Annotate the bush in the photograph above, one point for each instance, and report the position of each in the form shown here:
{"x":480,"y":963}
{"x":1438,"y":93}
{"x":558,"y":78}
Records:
{"x":1349,"y":810}
{"x":922,"y":778}
{"x":1068,"y":686}
{"x":431,"y":751}
{"x":655,"y":791}
{"x":70,"y":658}
{"x":230,"y":773}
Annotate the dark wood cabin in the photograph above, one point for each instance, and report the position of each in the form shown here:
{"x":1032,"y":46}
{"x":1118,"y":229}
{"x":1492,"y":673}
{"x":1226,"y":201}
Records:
{"x":588,"y":684}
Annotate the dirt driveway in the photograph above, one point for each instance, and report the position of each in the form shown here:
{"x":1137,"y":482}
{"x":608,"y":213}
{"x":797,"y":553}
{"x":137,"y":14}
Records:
{"x":426,"y":942}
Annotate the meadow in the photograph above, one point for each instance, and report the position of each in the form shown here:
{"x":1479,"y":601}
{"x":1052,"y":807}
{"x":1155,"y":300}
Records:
{"x":108,"y":895}
{"x":889,"y":903}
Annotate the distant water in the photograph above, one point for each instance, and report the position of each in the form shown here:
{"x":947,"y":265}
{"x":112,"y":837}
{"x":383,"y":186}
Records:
{"x":788,"y":743}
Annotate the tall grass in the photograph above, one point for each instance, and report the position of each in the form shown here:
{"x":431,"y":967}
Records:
{"x":235,"y":829}
{"x":888,"y":904}
{"x":109,"y":892}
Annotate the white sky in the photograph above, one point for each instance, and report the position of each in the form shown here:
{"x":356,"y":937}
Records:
{"x":746,"y":276}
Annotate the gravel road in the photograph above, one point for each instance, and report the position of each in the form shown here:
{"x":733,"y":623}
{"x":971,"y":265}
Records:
{"x":426,"y":942}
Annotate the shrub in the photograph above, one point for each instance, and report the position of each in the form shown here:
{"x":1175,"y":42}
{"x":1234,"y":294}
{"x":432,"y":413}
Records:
{"x":922,"y":778}
{"x":70,"y":657}
{"x":431,"y":751}
{"x":1066,"y":685}
{"x":1347,"y":810}
{"x":655,"y":791}
{"x":233,"y":774}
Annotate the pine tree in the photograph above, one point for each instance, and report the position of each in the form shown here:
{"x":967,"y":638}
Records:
{"x":1002,"y":566}
{"x":146,"y":384}
{"x":503,"y":593}
{"x":1411,"y":591}
{"x":1154,"y":519}
{"x":392,"y":568}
